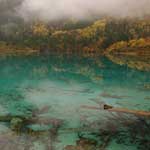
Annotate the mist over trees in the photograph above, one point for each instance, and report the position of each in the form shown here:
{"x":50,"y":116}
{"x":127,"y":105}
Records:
{"x":49,"y":10}
{"x":72,"y":26}
{"x":8,"y":10}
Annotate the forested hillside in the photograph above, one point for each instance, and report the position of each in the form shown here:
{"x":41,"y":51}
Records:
{"x":91,"y":36}
{"x":71,"y":36}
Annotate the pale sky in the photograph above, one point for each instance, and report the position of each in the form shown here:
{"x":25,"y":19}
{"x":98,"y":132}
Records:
{"x":56,"y":9}
{"x":51,"y":9}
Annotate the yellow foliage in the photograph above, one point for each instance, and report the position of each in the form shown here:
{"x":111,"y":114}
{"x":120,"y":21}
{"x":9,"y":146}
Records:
{"x":40,"y":29}
{"x":58,"y":33}
{"x":117,"y":46}
{"x":100,"y":24}
{"x":135,"y":43}
{"x":139,"y":42}
{"x":91,"y":30}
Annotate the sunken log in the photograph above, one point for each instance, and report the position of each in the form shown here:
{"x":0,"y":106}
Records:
{"x":124,"y":110}
{"x":121,"y":110}
{"x":107,"y":107}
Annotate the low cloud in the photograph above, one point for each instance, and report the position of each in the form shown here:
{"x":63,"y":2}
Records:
{"x":80,"y":9}
{"x":57,"y":9}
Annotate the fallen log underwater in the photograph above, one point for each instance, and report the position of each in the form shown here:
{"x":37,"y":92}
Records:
{"x":134,"y":112}
{"x":121,"y":110}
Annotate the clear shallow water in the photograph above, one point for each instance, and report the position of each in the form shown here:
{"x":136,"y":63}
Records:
{"x":67,"y":89}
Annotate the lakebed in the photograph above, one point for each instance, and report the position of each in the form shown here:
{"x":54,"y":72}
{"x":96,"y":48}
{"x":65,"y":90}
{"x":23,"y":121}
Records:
{"x":61,"y":92}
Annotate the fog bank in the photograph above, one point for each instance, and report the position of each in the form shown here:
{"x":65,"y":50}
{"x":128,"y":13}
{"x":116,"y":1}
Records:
{"x":49,"y":10}
{"x":57,"y":9}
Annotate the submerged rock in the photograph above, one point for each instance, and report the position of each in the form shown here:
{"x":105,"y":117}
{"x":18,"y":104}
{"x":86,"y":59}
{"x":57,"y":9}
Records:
{"x":16,"y":124}
{"x":83,"y":144}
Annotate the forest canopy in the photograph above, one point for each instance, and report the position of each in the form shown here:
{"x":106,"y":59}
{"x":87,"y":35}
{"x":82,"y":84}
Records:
{"x":91,"y":37}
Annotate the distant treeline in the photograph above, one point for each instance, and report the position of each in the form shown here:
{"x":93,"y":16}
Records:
{"x":72,"y":36}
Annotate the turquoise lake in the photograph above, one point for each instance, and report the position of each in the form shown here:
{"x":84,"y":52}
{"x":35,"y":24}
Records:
{"x":68,"y":90}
